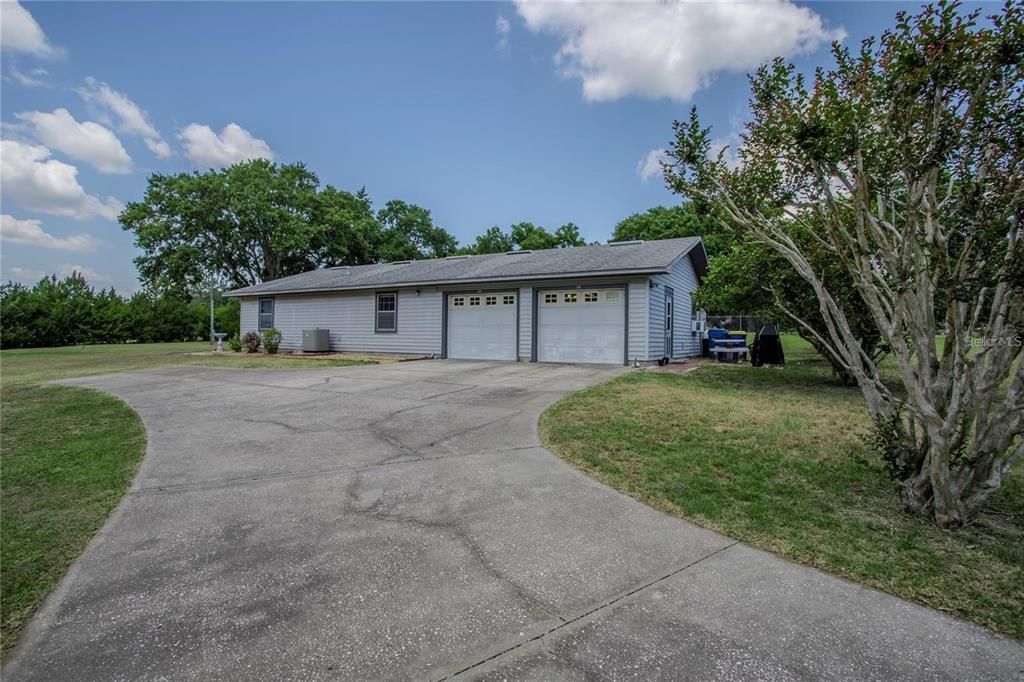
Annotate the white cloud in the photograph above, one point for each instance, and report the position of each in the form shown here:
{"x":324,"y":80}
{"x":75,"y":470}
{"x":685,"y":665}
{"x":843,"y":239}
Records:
{"x":670,"y":49}
{"x":503,"y":27}
{"x":88,"y":273}
{"x":31,"y":276}
{"x":31,"y":233}
{"x":130,"y":118}
{"x":19,"y":32}
{"x":159,"y":147}
{"x":649,"y":164}
{"x":27,"y":275}
{"x":32,"y":79}
{"x":37,"y":183}
{"x":85,"y":141}
{"x":206,"y":148}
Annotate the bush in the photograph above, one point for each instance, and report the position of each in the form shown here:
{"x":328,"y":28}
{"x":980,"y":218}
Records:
{"x":65,"y":312}
{"x":235,"y":343}
{"x":271,"y":340}
{"x":227,"y":317}
{"x":252,"y":341}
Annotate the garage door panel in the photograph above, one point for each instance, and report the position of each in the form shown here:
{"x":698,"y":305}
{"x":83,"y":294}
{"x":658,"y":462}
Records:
{"x":482,"y":326}
{"x":580,"y":325}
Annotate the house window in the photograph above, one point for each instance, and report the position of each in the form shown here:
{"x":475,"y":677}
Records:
{"x":387,"y":313}
{"x":266,"y":313}
{"x":508,"y":300}
{"x":590,"y":297}
{"x":474,"y":300}
{"x":551,"y":298}
{"x":491,"y":300}
{"x":570,"y":297}
{"x":458,"y":301}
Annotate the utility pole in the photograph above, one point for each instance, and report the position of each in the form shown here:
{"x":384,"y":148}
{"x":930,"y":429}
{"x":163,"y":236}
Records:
{"x":212,"y":338}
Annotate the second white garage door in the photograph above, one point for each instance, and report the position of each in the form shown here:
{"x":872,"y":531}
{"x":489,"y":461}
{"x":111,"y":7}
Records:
{"x":482,"y":326}
{"x":582,"y":325}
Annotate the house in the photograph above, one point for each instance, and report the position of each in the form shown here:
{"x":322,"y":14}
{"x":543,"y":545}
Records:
{"x":612,"y":303}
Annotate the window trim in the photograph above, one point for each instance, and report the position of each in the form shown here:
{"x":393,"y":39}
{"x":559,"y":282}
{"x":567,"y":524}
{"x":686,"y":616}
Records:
{"x":259,"y":313}
{"x":550,"y":298}
{"x":491,"y":299}
{"x":377,"y":311}
{"x":508,"y":299}
{"x":575,"y":297}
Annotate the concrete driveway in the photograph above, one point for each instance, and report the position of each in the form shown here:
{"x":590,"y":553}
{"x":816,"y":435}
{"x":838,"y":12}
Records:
{"x":403,"y":522}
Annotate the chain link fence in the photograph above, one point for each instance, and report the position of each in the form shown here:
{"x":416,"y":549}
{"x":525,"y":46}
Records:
{"x":737,"y":323}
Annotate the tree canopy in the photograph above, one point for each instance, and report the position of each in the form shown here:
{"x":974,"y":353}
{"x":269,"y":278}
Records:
{"x":257,"y":221}
{"x":527,"y":237}
{"x":408,"y":233}
{"x":670,"y":222}
{"x":901,"y":167}
{"x":67,"y":311}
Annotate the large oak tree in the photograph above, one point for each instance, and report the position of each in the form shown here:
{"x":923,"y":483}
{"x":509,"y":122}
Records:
{"x":258,"y":221}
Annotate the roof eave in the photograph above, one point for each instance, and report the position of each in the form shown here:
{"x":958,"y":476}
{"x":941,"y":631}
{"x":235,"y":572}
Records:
{"x":239,"y":293}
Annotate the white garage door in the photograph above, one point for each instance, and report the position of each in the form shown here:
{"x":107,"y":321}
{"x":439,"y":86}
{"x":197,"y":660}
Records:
{"x":482,"y":326}
{"x":582,"y":325}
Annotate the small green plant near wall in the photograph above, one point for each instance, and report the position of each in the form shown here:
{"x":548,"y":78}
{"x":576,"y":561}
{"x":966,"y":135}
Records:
{"x":271,"y":340}
{"x":252,"y":342}
{"x":235,"y":343}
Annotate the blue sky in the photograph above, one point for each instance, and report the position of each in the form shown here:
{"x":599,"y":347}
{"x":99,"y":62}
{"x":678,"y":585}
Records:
{"x":485,"y":113}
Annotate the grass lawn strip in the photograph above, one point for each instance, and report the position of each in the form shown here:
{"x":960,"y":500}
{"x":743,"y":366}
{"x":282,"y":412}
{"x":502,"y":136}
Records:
{"x":775,"y":458}
{"x":68,"y":456}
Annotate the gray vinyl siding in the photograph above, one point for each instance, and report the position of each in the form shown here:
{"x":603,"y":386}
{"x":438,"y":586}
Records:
{"x":683,"y":280}
{"x":350,"y":319}
{"x":525,"y":323}
{"x":637,"y":337}
{"x":250,"y":314}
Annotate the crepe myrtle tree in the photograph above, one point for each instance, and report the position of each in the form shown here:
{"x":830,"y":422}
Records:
{"x":904,"y":164}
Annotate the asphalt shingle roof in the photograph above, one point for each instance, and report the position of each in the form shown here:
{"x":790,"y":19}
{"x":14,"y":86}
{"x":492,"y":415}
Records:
{"x":603,"y":259}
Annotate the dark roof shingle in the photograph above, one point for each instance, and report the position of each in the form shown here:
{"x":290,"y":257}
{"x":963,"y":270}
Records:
{"x":625,"y":257}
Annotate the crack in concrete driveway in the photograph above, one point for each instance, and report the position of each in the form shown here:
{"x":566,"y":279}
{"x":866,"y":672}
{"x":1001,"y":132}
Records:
{"x":403,"y":522}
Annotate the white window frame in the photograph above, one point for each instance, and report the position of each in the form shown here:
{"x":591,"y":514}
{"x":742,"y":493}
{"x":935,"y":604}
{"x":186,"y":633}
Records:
{"x":550,"y":298}
{"x":260,"y":314}
{"x":384,"y":296}
{"x":490,"y":300}
{"x":575,"y":297}
{"x":591,"y":297}
{"x":458,"y":301}
{"x":474,"y":300}
{"x":508,"y":299}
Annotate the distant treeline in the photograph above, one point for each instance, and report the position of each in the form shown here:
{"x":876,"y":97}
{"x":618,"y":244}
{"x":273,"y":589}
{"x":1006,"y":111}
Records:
{"x":231,"y":224}
{"x":66,"y":312}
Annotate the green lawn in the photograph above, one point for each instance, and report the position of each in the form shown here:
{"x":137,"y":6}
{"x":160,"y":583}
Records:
{"x":68,"y":454}
{"x":774,"y":457}
{"x":45,"y":364}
